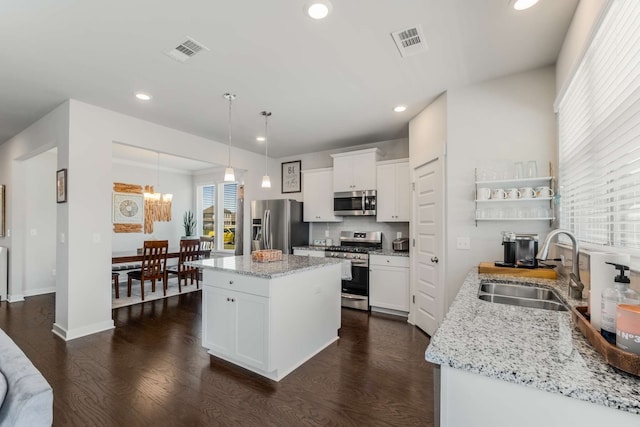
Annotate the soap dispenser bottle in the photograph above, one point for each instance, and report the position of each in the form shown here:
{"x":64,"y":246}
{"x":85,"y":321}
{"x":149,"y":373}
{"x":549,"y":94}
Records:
{"x":618,"y":293}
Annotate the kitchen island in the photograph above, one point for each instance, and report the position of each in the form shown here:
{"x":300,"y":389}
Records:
{"x":503,"y":365}
{"x":270,"y":317}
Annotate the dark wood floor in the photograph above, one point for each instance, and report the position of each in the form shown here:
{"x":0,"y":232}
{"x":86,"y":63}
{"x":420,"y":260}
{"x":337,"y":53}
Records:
{"x":151,"y":370}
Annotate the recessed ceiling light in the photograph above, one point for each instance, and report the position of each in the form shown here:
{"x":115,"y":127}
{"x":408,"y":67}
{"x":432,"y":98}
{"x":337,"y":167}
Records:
{"x":318,"y":9}
{"x":400,"y":108}
{"x":260,"y":138}
{"x":523,"y":4}
{"x":143,"y":96}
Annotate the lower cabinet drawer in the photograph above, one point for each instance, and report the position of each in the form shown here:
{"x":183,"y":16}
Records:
{"x":237,"y":282}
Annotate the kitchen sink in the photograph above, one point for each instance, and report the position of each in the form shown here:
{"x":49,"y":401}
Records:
{"x":520,"y":295}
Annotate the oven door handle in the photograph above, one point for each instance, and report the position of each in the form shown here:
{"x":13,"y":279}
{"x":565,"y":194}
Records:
{"x":363,"y":206}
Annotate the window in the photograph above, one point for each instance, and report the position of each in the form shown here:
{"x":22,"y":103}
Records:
{"x":211,"y":198}
{"x":599,"y":136}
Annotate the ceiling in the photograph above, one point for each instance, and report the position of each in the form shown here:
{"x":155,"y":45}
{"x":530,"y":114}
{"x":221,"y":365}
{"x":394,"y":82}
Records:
{"x":329,"y":83}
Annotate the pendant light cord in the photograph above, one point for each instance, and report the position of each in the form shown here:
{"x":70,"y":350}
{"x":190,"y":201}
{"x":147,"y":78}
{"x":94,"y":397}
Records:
{"x":266,"y":143}
{"x":229,"y":159}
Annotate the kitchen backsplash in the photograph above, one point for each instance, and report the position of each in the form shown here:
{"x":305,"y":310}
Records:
{"x":358,"y":223}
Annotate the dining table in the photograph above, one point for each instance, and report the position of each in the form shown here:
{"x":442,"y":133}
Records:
{"x":134,"y":256}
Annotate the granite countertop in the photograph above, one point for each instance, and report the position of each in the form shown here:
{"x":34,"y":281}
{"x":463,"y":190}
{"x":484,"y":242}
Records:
{"x":290,"y":264}
{"x":531,"y":347}
{"x":389,"y":252}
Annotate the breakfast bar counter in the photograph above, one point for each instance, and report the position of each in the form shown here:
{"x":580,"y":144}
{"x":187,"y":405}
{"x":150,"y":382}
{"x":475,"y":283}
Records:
{"x":511,"y":365}
{"x":270,"y":317}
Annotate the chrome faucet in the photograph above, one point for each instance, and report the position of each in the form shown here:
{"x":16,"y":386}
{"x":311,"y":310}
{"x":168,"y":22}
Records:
{"x":575,"y":285}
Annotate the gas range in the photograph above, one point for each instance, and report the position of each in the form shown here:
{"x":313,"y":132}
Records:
{"x":355,"y":246}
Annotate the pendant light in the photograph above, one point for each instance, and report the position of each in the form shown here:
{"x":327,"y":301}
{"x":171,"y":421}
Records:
{"x":229,"y":176}
{"x":266,"y":181}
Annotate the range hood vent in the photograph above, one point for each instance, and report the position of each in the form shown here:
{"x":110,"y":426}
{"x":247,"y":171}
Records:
{"x":186,"y":50}
{"x":410,"y":41}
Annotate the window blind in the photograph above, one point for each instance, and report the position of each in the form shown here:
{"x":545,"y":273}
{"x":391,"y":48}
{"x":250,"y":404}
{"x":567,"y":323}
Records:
{"x":599,"y":135}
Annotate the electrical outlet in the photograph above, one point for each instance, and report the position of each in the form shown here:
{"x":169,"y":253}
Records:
{"x":326,"y":233}
{"x":463,"y":243}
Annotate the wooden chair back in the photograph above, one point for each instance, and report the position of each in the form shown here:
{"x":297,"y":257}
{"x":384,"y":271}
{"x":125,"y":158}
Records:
{"x":206,"y":244}
{"x":189,"y":251}
{"x":155,"y":259}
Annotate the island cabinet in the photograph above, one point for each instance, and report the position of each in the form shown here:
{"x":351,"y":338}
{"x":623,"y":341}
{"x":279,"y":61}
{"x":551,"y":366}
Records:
{"x":269,"y":318}
{"x":317,"y":185}
{"x":238,"y":327}
{"x":394,"y":191}
{"x":355,"y":170}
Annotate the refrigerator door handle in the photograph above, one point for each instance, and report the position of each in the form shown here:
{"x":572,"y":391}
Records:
{"x":269,"y":235}
{"x":266,"y":229}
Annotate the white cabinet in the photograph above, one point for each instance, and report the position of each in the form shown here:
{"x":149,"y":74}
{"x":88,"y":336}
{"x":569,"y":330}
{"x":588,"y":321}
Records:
{"x":317,"y":185}
{"x":238,"y":325}
{"x":309,"y":252}
{"x":355,"y":170}
{"x":394,"y":191}
{"x":389,"y":283}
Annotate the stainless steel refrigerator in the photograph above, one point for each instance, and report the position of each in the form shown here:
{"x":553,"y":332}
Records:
{"x":278,"y":224}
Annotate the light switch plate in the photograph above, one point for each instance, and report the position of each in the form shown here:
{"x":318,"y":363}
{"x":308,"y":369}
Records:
{"x":463,"y":243}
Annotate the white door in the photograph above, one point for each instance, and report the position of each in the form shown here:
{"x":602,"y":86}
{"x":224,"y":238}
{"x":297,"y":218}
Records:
{"x":251,"y":318}
{"x":428,"y":286}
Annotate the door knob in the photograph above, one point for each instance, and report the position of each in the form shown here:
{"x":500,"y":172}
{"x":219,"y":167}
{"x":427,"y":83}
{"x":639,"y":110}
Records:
{"x":434,"y":259}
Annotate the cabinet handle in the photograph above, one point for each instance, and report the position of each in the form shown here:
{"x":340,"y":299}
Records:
{"x":388,"y":261}
{"x":434,"y":259}
{"x":231,"y":282}
{"x":227,"y":299}
{"x":233,"y":300}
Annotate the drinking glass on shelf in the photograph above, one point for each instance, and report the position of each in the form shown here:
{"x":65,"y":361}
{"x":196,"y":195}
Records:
{"x":518,"y":170}
{"x":532,"y":169}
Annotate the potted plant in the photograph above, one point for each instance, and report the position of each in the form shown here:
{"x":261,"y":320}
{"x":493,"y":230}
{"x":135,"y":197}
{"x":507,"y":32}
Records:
{"x":189,"y":223}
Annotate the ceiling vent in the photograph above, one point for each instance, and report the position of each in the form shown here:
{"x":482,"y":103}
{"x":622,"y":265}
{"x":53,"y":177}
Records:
{"x":186,"y":50}
{"x":410,"y":41}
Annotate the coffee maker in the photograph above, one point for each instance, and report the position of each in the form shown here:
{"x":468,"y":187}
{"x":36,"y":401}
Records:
{"x":519,"y":250}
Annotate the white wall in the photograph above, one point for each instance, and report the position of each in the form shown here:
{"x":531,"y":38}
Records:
{"x":585,"y":19}
{"x":180,"y":184}
{"x":428,"y":133}
{"x":40,"y":221}
{"x":493,"y":124}
{"x":41,"y":136}
{"x":83,"y":135}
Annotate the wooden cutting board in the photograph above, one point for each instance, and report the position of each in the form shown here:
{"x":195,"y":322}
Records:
{"x":540,"y":273}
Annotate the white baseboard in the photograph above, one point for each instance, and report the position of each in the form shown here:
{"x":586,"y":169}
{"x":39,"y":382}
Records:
{"x":69,"y":335}
{"x":40,"y":291}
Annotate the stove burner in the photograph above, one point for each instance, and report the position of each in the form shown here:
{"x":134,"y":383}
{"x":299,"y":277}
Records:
{"x":352,"y":249}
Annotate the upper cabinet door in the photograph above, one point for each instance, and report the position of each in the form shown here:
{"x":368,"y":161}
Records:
{"x":318,"y":196}
{"x":394,"y":192}
{"x":355,"y":171}
{"x":403,"y":192}
{"x":343,"y":174}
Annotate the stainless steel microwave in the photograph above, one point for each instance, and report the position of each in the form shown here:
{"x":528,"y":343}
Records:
{"x":354,"y":203}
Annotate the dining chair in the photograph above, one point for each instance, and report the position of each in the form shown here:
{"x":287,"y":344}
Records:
{"x":189,"y":251}
{"x":206,"y":244}
{"x":153,"y":266}
{"x":115,"y":277}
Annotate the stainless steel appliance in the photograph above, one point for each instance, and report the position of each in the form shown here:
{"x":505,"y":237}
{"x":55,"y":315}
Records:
{"x":519,"y":250}
{"x":355,"y":203}
{"x":278,"y":224}
{"x":355,"y":246}
{"x":401,"y":244}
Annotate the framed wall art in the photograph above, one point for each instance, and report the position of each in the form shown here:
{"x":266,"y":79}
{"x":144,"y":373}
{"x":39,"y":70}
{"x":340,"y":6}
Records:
{"x":291,"y":182}
{"x":61,"y":186}
{"x":2,"y":210}
{"x":128,"y":208}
